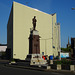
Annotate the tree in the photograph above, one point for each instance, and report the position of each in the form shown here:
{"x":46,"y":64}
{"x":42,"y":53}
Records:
{"x":66,"y":49}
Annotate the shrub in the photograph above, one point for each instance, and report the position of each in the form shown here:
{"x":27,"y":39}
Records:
{"x":63,"y":61}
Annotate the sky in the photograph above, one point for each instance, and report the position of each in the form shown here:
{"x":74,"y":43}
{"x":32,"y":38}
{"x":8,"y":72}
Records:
{"x":65,"y":16}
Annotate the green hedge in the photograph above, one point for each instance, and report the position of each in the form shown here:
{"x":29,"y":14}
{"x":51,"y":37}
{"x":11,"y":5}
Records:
{"x":63,"y":61}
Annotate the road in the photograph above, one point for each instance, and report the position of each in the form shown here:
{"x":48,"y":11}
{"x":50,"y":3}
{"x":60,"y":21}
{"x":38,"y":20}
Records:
{"x":4,"y":70}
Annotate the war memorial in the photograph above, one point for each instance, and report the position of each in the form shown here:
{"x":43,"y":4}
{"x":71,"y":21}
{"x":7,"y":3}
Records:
{"x":34,"y":56}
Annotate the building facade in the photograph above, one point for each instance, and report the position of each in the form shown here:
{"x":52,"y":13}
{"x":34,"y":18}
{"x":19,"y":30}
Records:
{"x":56,"y":36}
{"x":18,"y":30}
{"x":73,"y":46}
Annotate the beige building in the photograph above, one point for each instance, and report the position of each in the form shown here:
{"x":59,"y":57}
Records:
{"x":18,"y":30}
{"x":56,"y":36}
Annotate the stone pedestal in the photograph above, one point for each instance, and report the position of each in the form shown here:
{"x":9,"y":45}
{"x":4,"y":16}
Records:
{"x":34,"y":42}
{"x":34,"y":57}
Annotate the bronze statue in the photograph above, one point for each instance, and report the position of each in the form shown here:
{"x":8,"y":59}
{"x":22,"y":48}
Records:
{"x":34,"y":22}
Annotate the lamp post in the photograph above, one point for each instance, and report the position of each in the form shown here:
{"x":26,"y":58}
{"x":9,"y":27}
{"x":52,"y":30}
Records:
{"x":73,"y":8}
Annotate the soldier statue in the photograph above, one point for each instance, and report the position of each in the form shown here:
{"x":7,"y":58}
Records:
{"x":34,"y":22}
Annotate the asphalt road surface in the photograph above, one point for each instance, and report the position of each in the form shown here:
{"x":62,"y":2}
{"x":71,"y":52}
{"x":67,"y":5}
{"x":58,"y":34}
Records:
{"x":4,"y":70}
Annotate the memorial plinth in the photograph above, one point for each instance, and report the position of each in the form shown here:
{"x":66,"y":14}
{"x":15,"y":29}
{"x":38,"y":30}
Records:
{"x":34,"y":42}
